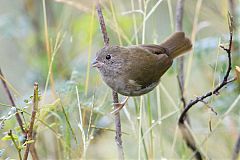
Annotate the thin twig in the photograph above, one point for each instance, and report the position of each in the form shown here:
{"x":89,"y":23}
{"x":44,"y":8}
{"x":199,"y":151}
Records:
{"x":180,"y":77}
{"x":118,"y":138}
{"x":188,"y":137}
{"x":102,"y":25}
{"x":48,"y":50}
{"x":236,"y":149}
{"x":181,"y":82}
{"x":15,"y":144}
{"x":179,"y":15}
{"x":18,"y":117}
{"x":221,"y":85}
{"x":232,"y":8}
{"x":216,"y":91}
{"x":30,"y":130}
{"x":33,"y":150}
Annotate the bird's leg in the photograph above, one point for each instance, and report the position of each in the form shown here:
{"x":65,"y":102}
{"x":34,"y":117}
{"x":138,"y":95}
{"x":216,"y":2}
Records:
{"x":119,"y":106}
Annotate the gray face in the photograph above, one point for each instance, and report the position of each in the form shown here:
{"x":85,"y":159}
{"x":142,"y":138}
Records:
{"x":109,"y":61}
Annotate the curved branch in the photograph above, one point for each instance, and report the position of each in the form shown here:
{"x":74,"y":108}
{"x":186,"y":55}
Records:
{"x":216,"y":91}
{"x":225,"y":80}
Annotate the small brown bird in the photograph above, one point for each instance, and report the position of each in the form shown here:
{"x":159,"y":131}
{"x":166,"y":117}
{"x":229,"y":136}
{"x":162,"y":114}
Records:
{"x":136,"y":70}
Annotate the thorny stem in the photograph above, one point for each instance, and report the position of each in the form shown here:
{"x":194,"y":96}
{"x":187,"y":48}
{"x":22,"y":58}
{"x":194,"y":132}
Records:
{"x":118,"y":138}
{"x":210,"y":93}
{"x":30,"y":131}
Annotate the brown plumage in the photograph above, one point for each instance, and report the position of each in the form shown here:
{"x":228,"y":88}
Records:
{"x":136,"y":70}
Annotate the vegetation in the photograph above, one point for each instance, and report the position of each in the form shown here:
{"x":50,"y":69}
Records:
{"x":66,"y":114}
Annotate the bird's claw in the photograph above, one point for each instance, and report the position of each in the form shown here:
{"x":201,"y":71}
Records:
{"x":119,"y":106}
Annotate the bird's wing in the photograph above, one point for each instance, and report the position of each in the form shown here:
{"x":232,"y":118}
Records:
{"x":155,"y":49}
{"x":164,"y":60}
{"x":150,"y":64}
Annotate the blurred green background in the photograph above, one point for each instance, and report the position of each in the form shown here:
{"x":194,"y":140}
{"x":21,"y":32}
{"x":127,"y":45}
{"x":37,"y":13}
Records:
{"x":71,"y":31}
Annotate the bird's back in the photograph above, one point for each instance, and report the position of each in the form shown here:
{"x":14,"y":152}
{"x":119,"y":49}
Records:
{"x":142,"y":70}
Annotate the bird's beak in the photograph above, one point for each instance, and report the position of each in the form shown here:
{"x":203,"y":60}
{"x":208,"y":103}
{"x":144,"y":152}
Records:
{"x":97,"y":64}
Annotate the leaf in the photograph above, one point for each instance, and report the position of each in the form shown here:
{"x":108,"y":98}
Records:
{"x":26,"y":101}
{"x":8,"y":138}
{"x":28,"y":142}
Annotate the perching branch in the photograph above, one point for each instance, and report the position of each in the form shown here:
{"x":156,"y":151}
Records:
{"x":215,"y":91}
{"x":102,"y":25}
{"x":118,"y":138}
{"x":30,"y":130}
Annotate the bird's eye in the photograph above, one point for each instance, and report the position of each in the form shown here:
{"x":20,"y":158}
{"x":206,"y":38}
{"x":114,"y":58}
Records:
{"x":108,"y":57}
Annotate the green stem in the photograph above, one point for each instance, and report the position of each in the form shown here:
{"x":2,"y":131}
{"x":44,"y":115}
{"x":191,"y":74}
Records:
{"x":15,"y":144}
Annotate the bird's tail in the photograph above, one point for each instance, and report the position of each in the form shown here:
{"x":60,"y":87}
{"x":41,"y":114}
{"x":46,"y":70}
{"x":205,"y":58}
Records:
{"x":177,"y":44}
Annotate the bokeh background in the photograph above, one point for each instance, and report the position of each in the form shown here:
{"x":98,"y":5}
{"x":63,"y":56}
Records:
{"x":53,"y":42}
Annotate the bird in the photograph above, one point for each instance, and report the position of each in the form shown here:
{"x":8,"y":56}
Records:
{"x":136,"y":70}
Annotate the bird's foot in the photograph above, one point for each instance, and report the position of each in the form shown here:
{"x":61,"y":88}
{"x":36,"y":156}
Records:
{"x":119,"y":106}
